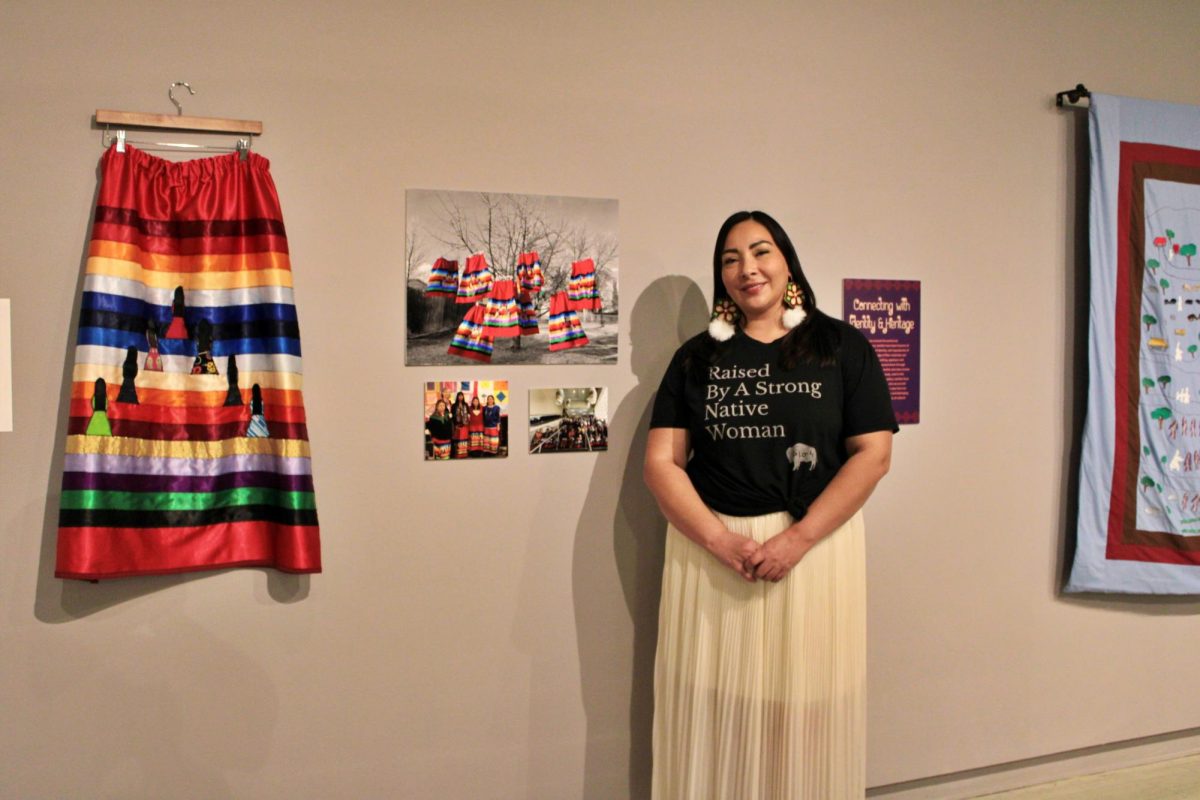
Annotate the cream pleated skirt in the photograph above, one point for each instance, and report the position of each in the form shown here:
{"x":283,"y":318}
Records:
{"x":760,"y":688}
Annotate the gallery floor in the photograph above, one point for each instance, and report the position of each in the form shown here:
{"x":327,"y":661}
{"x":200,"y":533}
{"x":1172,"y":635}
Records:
{"x":1178,"y":779}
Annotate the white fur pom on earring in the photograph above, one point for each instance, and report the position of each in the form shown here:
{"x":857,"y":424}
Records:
{"x":793,"y":317}
{"x":793,"y":305}
{"x":721,"y":329}
{"x":723,"y":323}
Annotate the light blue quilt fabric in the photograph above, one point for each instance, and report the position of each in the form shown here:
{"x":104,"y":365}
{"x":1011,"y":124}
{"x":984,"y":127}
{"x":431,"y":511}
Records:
{"x":1139,"y":473}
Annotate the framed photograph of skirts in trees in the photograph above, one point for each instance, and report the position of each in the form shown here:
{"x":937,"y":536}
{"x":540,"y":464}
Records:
{"x":497,"y":278}
{"x":465,"y":420}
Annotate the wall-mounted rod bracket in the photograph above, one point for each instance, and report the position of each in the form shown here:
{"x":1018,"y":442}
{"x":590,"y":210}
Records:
{"x":1073,"y":96}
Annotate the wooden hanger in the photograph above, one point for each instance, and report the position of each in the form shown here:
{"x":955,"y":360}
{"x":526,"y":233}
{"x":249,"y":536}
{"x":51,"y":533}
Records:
{"x":177,"y":122}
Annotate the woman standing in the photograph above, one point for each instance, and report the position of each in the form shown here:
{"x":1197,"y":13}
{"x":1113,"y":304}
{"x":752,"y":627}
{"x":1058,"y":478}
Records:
{"x":460,"y":416}
{"x":768,"y":434}
{"x":475,"y":427}
{"x":439,"y":426}
{"x":491,"y":427}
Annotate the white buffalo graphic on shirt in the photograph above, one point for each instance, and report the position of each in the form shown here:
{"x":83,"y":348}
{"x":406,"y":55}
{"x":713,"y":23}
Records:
{"x":801,"y":453}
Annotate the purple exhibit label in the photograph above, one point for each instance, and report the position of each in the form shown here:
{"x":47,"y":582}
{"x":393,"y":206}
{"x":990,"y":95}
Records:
{"x":889,"y":314}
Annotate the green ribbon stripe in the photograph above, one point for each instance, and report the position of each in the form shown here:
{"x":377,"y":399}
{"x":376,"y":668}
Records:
{"x":187,"y":501}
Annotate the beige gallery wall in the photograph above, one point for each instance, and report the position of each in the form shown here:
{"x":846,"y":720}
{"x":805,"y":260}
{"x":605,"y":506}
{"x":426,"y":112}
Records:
{"x":487,"y":630}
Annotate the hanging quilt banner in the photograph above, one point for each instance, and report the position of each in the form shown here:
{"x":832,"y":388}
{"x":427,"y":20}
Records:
{"x":187,"y":443}
{"x":1139,"y":473}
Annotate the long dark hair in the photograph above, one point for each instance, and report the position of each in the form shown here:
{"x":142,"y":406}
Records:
{"x":815,"y":340}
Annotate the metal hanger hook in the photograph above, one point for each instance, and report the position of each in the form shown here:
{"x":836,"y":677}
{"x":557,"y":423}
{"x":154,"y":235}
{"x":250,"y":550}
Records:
{"x":171,"y":94}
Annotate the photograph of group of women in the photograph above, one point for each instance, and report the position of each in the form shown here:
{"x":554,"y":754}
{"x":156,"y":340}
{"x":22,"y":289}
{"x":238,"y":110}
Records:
{"x":466,"y":419}
{"x":568,"y":419}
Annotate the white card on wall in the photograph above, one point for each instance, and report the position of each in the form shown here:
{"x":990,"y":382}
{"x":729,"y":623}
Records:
{"x":5,"y":367}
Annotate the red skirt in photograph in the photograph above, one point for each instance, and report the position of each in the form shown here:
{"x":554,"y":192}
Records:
{"x":566,"y":331}
{"x":471,"y":339}
{"x":476,"y":280}
{"x":500,"y":313}
{"x":462,"y":441}
{"x":583,"y":292}
{"x":491,"y":441}
{"x":529,"y":272}
{"x":443,"y":280}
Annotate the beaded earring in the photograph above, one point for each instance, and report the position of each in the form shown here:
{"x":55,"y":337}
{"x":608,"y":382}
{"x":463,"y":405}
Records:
{"x":723,"y":323}
{"x":793,"y":302}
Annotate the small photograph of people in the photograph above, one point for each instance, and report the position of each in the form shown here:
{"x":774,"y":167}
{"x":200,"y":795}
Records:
{"x":568,"y":419}
{"x":466,"y":419}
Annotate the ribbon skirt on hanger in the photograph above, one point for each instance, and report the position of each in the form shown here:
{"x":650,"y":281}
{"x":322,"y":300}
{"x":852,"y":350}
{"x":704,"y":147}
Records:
{"x":187,"y":444}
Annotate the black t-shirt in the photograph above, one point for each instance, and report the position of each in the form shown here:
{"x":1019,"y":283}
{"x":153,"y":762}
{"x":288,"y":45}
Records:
{"x":766,"y":439}
{"x":439,"y":427}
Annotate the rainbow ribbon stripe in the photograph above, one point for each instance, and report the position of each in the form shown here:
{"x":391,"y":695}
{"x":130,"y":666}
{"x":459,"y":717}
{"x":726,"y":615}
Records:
{"x":529,"y":272}
{"x":566,"y":331}
{"x":582,"y":292}
{"x":471,"y":340}
{"x":476,"y":281}
{"x":443,"y":279}
{"x":500,"y":311}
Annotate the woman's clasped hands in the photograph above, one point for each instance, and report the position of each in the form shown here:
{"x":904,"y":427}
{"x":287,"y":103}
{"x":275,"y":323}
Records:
{"x":770,"y":561}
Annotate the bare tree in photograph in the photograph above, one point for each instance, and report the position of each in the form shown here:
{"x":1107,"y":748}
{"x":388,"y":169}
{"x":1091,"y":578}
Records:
{"x":426,"y":315}
{"x":602,"y":248}
{"x":508,"y":226}
{"x":414,"y":252}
